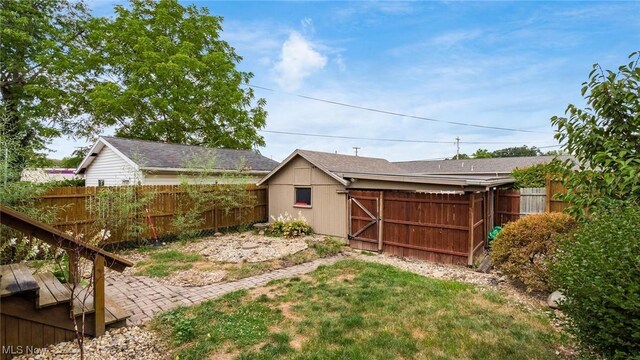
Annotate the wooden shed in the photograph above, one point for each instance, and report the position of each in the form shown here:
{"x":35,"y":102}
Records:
{"x":379,"y":206}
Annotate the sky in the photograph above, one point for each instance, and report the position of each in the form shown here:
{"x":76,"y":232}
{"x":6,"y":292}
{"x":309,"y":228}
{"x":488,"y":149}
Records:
{"x":497,"y":64}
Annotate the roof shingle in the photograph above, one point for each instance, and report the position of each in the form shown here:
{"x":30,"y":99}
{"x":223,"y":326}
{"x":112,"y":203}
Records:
{"x":151,"y":154}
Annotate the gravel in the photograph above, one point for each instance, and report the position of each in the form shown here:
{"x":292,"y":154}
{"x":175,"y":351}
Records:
{"x":247,"y":247}
{"x":116,"y":344}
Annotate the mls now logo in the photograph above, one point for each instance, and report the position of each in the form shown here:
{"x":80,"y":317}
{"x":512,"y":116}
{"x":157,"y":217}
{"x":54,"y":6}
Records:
{"x":20,"y":350}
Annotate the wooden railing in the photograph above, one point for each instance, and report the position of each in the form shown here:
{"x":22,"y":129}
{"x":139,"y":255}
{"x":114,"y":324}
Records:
{"x":56,"y":238}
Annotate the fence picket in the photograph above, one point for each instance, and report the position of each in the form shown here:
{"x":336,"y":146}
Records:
{"x":75,"y":204}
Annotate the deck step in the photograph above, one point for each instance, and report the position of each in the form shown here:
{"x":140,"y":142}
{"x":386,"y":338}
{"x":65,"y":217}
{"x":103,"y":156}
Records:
{"x":52,"y":291}
{"x":83,"y":301}
{"x":16,"y":278}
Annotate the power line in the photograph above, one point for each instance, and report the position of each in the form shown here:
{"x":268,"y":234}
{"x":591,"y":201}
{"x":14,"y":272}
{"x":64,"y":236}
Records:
{"x":397,"y":113}
{"x":392,"y":140}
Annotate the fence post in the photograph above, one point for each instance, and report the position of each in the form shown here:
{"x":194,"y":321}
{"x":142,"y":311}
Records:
{"x":472,"y":205}
{"x":381,"y":221}
{"x":547,"y":205}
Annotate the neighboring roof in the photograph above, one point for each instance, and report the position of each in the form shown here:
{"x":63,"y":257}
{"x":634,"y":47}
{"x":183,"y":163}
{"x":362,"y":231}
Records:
{"x":471,"y":166}
{"x":346,"y":168}
{"x":348,"y":163}
{"x":152,"y":155}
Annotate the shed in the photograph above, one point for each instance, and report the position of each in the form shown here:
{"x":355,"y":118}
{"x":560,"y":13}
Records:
{"x":114,"y":161}
{"x":379,"y":206}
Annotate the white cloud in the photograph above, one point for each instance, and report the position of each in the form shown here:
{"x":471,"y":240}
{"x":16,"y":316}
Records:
{"x":299,"y":59}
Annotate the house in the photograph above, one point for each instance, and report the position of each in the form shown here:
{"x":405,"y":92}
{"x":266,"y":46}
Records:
{"x":378,"y":205}
{"x":43,"y":175}
{"x":484,"y":167}
{"x":114,"y":161}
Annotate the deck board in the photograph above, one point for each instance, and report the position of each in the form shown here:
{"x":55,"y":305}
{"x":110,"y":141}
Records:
{"x":8,"y":283}
{"x":47,"y":296}
{"x":24,"y":277}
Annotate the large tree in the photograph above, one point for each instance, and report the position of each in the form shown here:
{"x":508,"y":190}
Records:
{"x":43,"y":71}
{"x":516,"y":152}
{"x":604,"y":138}
{"x":168,"y":76}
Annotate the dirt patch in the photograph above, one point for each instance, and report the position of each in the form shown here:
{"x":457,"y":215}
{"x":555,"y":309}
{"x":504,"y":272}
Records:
{"x":287,"y":311}
{"x":417,"y":333}
{"x":271,"y":292}
{"x":344,"y":278}
{"x":297,"y":341}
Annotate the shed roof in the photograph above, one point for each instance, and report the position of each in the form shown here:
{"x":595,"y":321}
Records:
{"x":165,"y":156}
{"x":471,"y":166}
{"x":347,"y":168}
{"x":349,"y":163}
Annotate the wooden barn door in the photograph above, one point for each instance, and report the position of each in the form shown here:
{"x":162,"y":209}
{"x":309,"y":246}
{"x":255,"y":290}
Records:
{"x":364,"y":217}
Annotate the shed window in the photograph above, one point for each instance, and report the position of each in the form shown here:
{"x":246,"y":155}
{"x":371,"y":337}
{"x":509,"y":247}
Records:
{"x":100,"y":182}
{"x":303,"y":196}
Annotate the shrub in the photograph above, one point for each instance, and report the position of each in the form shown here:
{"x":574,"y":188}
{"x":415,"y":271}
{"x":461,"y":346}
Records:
{"x":534,"y":176}
{"x":522,"y":249}
{"x":287,"y":226}
{"x":599,"y":273}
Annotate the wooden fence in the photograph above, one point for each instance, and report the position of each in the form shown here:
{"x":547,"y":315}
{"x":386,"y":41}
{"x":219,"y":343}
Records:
{"x":444,"y":228}
{"x":511,"y":205}
{"x":161,"y":204}
{"x":552,"y":204}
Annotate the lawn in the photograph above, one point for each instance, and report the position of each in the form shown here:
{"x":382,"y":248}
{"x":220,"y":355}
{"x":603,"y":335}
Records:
{"x":360,"y":310}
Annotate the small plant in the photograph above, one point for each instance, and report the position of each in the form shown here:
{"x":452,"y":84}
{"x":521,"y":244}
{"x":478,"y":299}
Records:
{"x":288,"y":226}
{"x":523,"y":248}
{"x":599,"y":274}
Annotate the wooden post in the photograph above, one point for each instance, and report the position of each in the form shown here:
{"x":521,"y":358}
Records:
{"x":381,"y":221}
{"x":547,"y":206}
{"x":98,"y":294}
{"x":472,"y":205}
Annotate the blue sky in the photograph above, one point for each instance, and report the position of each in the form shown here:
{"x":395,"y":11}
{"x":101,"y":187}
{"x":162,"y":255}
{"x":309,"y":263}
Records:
{"x":503,"y":64}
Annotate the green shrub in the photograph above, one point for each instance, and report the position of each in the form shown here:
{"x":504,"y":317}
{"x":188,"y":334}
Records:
{"x":534,"y":176}
{"x":287,"y":226}
{"x":599,"y":273}
{"x":522,"y":249}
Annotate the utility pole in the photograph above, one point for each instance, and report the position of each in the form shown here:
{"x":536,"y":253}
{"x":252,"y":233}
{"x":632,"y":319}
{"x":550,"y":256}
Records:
{"x":457,"y":147}
{"x":356,"y":149}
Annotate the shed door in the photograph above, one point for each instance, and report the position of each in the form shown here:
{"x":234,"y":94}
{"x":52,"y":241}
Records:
{"x":364,"y":216}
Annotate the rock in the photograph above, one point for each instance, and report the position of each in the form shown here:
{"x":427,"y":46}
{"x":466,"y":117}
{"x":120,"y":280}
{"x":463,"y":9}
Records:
{"x":218,"y":234}
{"x":250,"y":245}
{"x":554,"y":298}
{"x":261,"y":232}
{"x":261,"y":225}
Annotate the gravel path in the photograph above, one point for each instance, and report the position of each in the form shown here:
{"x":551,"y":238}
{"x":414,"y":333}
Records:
{"x":117,"y":344}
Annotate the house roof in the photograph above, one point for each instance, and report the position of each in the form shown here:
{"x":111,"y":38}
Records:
{"x":474,"y":166}
{"x":152,"y":155}
{"x":348,"y":168}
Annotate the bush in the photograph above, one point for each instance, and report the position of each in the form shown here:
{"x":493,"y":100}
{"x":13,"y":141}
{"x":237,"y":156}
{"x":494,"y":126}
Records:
{"x":534,"y":176}
{"x":287,"y":226}
{"x":523,"y":248}
{"x":599,"y":273}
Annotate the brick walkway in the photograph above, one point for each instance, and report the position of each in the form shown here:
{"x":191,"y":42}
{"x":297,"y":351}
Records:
{"x":143,"y":296}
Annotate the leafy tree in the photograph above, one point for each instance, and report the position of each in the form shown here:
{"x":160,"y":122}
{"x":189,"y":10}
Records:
{"x":604,"y":139}
{"x":482,"y":154}
{"x":43,"y":71}
{"x":171,"y":78}
{"x":534,"y":176}
{"x":516,"y":152}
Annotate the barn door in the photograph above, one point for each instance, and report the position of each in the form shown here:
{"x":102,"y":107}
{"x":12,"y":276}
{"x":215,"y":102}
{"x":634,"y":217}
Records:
{"x":364,"y":216}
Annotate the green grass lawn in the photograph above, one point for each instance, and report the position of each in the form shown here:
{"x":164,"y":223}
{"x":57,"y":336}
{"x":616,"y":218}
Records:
{"x":360,"y":310}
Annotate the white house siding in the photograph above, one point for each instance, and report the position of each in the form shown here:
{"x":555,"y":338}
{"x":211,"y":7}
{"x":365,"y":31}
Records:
{"x":176,"y":179}
{"x":111,"y":168}
{"x":328,"y":212}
